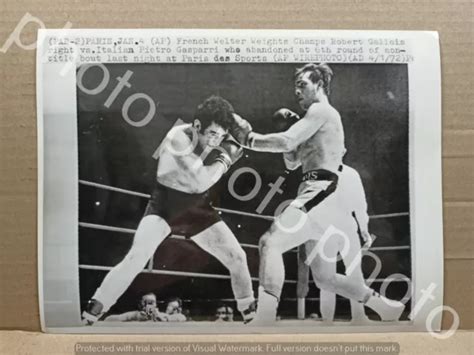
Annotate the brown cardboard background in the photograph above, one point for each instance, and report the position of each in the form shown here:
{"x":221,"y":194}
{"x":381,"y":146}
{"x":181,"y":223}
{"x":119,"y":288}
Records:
{"x":410,"y":343}
{"x":453,"y":20}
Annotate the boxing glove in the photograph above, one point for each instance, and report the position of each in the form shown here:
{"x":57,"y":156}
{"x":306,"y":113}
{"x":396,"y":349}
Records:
{"x":240,"y":130}
{"x":284,"y":119}
{"x":230,"y":152}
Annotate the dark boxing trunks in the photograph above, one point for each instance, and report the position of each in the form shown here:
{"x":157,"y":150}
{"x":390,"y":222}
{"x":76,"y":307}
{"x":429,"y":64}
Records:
{"x":187,"y":214}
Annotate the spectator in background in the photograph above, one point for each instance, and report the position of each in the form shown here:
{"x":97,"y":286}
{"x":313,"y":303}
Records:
{"x":147,"y":310}
{"x":224,"y":313}
{"x":174,"y":311}
{"x":187,"y":314}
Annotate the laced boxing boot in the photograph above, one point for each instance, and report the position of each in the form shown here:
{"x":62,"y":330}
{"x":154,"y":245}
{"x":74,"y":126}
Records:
{"x":388,"y":310}
{"x":266,"y":309}
{"x":93,"y":312}
{"x":250,"y":312}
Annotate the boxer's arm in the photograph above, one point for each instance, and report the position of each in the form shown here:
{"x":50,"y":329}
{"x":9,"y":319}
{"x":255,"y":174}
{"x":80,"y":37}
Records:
{"x":210,"y":174}
{"x":289,"y":140}
{"x":204,"y":176}
{"x":230,"y":152}
{"x":291,"y":160}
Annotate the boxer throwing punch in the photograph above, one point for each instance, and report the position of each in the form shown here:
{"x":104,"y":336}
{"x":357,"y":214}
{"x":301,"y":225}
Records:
{"x":316,"y":143}
{"x":349,"y":184}
{"x":180,"y":201}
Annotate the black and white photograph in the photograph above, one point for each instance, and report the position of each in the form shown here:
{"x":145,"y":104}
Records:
{"x":256,"y":189}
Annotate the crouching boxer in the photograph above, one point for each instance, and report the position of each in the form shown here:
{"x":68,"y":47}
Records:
{"x":180,"y":203}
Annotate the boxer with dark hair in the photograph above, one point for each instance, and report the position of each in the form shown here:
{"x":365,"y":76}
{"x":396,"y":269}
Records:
{"x":180,"y":204}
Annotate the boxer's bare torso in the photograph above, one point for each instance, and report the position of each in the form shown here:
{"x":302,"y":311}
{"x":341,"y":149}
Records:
{"x":325,"y":148}
{"x":316,"y":141}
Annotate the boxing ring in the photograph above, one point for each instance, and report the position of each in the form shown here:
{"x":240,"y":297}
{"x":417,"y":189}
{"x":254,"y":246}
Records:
{"x":301,"y":282}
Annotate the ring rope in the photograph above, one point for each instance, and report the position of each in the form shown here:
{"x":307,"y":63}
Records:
{"x":230,"y":300}
{"x":220,"y":209}
{"x":205,"y":275}
{"x":111,"y":188}
{"x":172,"y":273}
{"x":180,"y":237}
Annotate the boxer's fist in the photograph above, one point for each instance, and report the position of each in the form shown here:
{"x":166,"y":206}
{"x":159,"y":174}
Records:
{"x":240,"y":129}
{"x":284,"y":119}
{"x":230,"y":152}
{"x":233,"y":150}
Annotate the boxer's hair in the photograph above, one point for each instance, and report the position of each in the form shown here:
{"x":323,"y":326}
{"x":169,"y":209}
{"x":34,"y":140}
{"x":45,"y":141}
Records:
{"x":318,"y":72}
{"x":215,"y":109}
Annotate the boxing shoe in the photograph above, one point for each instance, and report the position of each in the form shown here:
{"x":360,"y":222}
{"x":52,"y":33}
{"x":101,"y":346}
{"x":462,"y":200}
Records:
{"x":92,"y":312}
{"x":250,"y":312}
{"x":266,"y":309}
{"x":388,"y":310}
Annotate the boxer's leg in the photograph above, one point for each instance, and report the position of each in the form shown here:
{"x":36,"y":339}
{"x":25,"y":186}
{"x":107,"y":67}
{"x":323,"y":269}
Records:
{"x":336,"y":222}
{"x":302,"y":286}
{"x":219,"y":241}
{"x":353,"y":259}
{"x":151,"y":231}
{"x":352,"y":288}
{"x":289,"y":230}
{"x":327,"y":299}
{"x":326,"y":278}
{"x":327,"y":305}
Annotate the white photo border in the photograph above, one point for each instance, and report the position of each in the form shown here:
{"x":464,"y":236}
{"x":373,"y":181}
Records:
{"x":58,"y":191}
